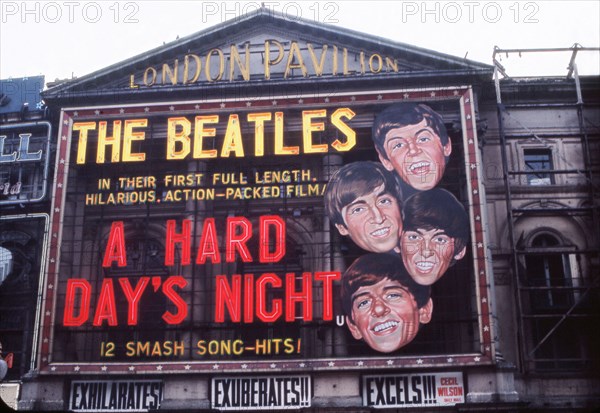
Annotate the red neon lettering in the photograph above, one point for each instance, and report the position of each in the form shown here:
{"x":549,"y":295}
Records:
{"x":239,"y":230}
{"x":133,"y":297}
{"x":328,"y":278}
{"x":228,"y":296}
{"x":106,"y":308}
{"x":304,"y":296}
{"x":73,"y":286}
{"x":261,"y":298}
{"x":248,"y":298}
{"x":115,"y":248}
{"x":209,"y":245}
{"x":278,"y":225}
{"x":182,"y":310}
{"x":174,"y":238}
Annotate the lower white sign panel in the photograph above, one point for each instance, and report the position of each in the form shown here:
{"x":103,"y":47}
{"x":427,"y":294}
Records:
{"x":115,"y":395}
{"x":413,"y":390}
{"x":261,"y":392}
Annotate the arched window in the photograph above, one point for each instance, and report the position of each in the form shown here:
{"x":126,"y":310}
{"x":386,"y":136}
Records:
{"x":551,"y":270}
{"x":553,"y":310}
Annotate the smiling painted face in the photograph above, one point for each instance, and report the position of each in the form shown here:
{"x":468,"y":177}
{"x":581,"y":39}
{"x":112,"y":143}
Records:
{"x":386,"y":316}
{"x":417,"y":155}
{"x":427,"y":254}
{"x":373,"y":221}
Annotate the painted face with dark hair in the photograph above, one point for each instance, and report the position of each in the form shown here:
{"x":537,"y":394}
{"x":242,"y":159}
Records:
{"x":373,"y":221}
{"x":386,"y":316}
{"x":427,"y":254}
{"x":417,"y":155}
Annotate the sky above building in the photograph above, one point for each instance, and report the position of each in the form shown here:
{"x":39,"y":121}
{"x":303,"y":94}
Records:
{"x":65,"y":39}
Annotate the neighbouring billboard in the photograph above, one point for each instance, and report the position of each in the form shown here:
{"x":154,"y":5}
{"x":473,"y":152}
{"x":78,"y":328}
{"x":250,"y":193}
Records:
{"x":288,"y":233}
{"x":24,"y":160}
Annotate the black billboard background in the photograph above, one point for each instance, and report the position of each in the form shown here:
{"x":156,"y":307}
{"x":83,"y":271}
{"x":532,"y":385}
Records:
{"x":311,"y":246}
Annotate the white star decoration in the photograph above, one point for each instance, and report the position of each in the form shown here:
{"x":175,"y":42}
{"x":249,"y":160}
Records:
{"x":131,"y":368}
{"x":222,"y":105}
{"x":273,"y":365}
{"x":352,"y":98}
{"x":361,"y":363}
{"x":484,"y":300}
{"x":76,"y":368}
{"x":477,"y":358}
{"x":450,"y":359}
{"x":171,"y":107}
{"x":331,"y":364}
{"x":486,"y":328}
{"x":302,"y":365}
{"x":66,"y":122}
{"x":244,"y":366}
{"x":121,"y":111}
{"x":274,"y":103}
{"x":104,"y":368}
{"x":159,"y":367}
{"x":432,"y":94}
{"x":146,"y":109}
{"x":379,"y":97}
{"x":406,"y":95}
{"x":215,"y":367}
{"x":419,"y":361}
{"x":96,"y":112}
{"x":300,"y":101}
{"x":197,"y":107}
{"x":326,"y":100}
{"x":187,"y":367}
{"x":390,"y":362}
{"x":53,"y":368}
{"x":248,"y":104}
{"x":455,"y":93}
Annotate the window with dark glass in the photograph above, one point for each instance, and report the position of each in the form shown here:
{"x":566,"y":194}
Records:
{"x":556,"y":308}
{"x":538,"y":161}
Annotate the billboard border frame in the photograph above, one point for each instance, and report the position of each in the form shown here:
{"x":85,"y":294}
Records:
{"x":482,"y":271}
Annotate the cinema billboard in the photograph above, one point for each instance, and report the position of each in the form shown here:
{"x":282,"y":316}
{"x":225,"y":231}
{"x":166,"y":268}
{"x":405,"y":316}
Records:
{"x":268,"y":234}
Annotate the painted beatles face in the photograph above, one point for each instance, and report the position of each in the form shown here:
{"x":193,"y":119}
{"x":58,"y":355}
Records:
{"x":373,"y":221}
{"x":416,"y":153}
{"x":385,"y":315}
{"x":427,"y":254}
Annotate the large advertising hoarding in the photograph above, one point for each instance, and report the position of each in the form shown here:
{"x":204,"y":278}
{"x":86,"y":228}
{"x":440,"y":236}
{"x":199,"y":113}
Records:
{"x":288,"y":233}
{"x":23,"y":246}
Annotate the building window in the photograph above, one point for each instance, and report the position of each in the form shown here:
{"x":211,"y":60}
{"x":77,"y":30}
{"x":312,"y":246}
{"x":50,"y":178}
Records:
{"x":536,"y":162}
{"x":555,"y":312}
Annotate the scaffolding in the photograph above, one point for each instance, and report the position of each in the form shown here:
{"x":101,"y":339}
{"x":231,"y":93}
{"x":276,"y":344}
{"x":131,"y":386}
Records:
{"x":549,"y":308}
